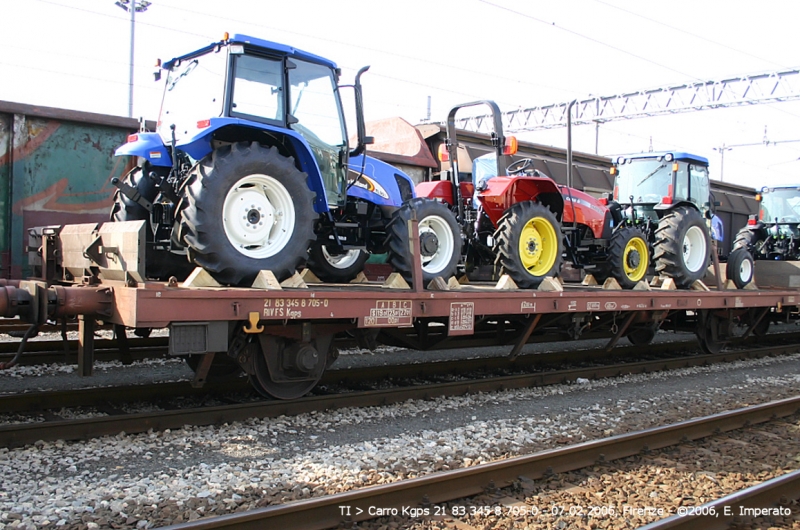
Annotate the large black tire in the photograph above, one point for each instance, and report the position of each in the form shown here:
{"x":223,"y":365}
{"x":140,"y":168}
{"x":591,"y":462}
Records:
{"x":439,"y":235}
{"x":245,"y":209}
{"x":159,"y":264}
{"x":628,"y":258}
{"x":745,"y":238}
{"x":682,"y":248}
{"x":740,"y":267}
{"x":335,"y":268}
{"x":528,"y":244}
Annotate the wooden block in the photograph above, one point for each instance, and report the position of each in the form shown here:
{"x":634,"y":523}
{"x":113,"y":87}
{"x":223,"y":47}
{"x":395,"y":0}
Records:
{"x":361,"y":278}
{"x":395,"y":281}
{"x":308,"y":276}
{"x":294,"y":281}
{"x":668,"y":284}
{"x":551,"y":285}
{"x":266,"y":280}
{"x":438,"y":284}
{"x":611,"y":283}
{"x":589,"y":279}
{"x":642,"y":286}
{"x":729,"y":285}
{"x":453,"y":284}
{"x":656,"y":281}
{"x":751,"y":286}
{"x":505,"y":283}
{"x":463,"y":280}
{"x":698,"y":285}
{"x":200,"y":278}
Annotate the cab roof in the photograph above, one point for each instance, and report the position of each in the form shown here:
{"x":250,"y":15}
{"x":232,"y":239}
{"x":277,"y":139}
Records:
{"x":259,"y":45}
{"x":677,"y":155}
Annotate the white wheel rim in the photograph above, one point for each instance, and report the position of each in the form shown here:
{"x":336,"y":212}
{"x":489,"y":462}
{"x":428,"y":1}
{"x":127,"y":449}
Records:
{"x":694,"y":248}
{"x":745,"y":270}
{"x":441,"y":258}
{"x":341,"y":261}
{"x":258,"y":216}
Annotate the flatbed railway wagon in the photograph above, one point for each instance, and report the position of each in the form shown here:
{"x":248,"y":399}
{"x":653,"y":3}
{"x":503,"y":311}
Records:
{"x":281,"y":334}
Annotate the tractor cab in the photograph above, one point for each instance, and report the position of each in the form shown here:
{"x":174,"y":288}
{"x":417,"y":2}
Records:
{"x":650,"y":183}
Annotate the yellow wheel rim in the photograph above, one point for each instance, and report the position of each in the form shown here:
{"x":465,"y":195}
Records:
{"x":538,"y":246}
{"x":635,"y":259}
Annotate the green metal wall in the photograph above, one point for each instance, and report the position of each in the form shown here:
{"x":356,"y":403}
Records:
{"x":56,"y":168}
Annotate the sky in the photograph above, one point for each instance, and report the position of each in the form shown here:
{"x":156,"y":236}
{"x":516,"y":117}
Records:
{"x":74,"y":54}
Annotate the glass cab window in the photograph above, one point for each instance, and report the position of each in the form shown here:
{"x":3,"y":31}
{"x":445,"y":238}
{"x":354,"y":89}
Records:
{"x":314,"y":103}
{"x":700,"y":185}
{"x":258,"y":88}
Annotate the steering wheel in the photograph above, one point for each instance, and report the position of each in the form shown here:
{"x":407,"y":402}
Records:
{"x":521,"y":166}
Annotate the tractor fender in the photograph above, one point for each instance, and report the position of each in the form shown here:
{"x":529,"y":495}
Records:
{"x":436,"y":189}
{"x":663,"y":209}
{"x":380,"y":183}
{"x":199,"y":145}
{"x":148,"y":146}
{"x":586,"y":210}
{"x":503,"y":192}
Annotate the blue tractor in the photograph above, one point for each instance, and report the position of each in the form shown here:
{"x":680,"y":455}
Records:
{"x":250,"y":169}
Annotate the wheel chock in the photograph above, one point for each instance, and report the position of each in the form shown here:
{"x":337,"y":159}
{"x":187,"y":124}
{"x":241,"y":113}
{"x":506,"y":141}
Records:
{"x":550,"y":284}
{"x":438,"y":284}
{"x":611,"y":284}
{"x":751,"y":286}
{"x":656,"y":281}
{"x":505,"y":283}
{"x":698,"y":285}
{"x":454,"y":284}
{"x":589,"y":279}
{"x":642,"y":286}
{"x":294,"y":281}
{"x":463,"y":280}
{"x":308,"y":276}
{"x":200,"y":278}
{"x":729,"y":285}
{"x":361,"y":278}
{"x":396,"y":281}
{"x":668,"y":284}
{"x":266,"y":280}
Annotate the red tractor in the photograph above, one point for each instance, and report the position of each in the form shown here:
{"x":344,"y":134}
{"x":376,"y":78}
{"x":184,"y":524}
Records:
{"x":522,"y":223}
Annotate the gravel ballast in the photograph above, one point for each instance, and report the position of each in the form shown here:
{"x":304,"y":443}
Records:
{"x":142,"y":481}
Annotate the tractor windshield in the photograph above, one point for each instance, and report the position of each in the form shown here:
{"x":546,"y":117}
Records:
{"x":646,"y":180}
{"x":194,"y":91}
{"x":314,"y":103}
{"x":782,"y":204}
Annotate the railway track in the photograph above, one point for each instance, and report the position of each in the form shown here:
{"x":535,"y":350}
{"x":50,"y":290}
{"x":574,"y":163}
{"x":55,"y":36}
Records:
{"x":17,"y":434}
{"x":425,"y":495}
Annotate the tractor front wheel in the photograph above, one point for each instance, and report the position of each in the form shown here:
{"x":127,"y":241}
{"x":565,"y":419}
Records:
{"x":682,"y":246}
{"x":245,"y":209}
{"x":335,"y":268}
{"x":528,"y":244}
{"x":740,"y":267}
{"x":628,"y":257}
{"x":439,"y":239}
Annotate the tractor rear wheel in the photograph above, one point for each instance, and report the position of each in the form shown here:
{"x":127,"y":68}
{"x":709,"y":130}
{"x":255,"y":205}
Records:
{"x":439,"y":239}
{"x":245,"y":209}
{"x":740,"y":267}
{"x":335,"y":268}
{"x":528,"y":244}
{"x":628,"y":257}
{"x":682,"y":246}
{"x":159,"y":264}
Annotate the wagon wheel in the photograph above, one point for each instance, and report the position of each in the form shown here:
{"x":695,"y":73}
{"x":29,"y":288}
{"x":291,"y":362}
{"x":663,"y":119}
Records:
{"x":287,"y":369}
{"x":708,"y":332}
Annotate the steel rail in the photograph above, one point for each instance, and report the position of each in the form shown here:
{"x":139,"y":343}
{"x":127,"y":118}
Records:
{"x":719,"y":514}
{"x":78,"y":429}
{"x":93,"y":396}
{"x":328,"y":512}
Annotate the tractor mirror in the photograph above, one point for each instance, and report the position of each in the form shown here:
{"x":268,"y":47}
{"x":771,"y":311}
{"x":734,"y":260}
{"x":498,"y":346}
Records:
{"x":717,"y":203}
{"x":369,"y":140}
